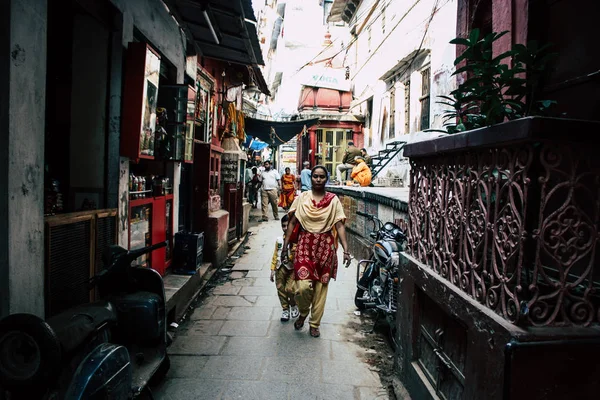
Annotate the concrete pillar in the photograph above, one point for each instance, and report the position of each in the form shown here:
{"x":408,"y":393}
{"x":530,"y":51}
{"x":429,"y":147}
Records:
{"x":114,"y":114}
{"x":23,"y":26}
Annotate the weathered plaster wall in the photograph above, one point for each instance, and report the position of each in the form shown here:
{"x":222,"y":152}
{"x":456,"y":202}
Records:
{"x":153,"y":20}
{"x":405,"y":28}
{"x":22,"y":113}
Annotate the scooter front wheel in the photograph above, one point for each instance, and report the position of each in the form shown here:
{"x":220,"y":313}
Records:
{"x":30,"y":353}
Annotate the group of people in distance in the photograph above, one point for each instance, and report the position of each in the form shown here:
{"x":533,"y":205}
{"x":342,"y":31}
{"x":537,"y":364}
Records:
{"x":280,"y":191}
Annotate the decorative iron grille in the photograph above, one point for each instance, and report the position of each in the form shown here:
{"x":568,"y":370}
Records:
{"x":515,"y":227}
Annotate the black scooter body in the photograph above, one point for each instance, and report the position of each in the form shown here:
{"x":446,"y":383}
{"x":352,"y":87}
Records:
{"x":107,"y":349}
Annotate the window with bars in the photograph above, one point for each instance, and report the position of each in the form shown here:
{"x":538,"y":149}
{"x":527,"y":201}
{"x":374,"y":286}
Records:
{"x":425,"y":98}
{"x":392,"y":130}
{"x":407,"y":107}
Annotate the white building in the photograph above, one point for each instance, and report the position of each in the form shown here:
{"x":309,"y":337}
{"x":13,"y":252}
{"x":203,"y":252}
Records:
{"x":400,"y":61}
{"x":293,"y":36}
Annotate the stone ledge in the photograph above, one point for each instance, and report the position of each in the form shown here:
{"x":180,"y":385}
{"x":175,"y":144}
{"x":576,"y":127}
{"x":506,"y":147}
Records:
{"x":521,"y":130}
{"x":393,"y":197}
{"x":180,"y":290}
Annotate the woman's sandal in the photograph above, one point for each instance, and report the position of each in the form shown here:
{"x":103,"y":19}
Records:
{"x":299,"y":323}
{"x":314,"y":332}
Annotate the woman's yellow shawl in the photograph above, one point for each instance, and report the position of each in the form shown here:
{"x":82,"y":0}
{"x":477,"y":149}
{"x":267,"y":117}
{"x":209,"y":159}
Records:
{"x":318,"y":218}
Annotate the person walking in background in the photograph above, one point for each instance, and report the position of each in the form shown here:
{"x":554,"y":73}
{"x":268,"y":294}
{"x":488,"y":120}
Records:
{"x":288,"y":189}
{"x":305,"y":177}
{"x":253,"y":188}
{"x":317,"y":220}
{"x":282,"y":273}
{"x":270,"y":186}
{"x":247,"y":179}
{"x":348,"y":161}
{"x":361,"y":173}
{"x":366,"y":156}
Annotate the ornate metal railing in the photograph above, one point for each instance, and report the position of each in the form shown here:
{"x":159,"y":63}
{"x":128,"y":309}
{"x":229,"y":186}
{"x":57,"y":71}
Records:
{"x":513,"y":225}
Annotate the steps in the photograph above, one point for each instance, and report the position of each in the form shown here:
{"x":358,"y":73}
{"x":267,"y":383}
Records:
{"x":384,"y":156}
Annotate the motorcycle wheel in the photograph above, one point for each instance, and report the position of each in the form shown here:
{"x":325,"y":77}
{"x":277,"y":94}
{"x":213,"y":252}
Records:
{"x":358,"y":297}
{"x":30,"y":353}
{"x":358,"y":301}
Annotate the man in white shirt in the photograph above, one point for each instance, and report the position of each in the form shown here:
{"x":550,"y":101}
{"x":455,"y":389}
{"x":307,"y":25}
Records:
{"x":270,"y":186}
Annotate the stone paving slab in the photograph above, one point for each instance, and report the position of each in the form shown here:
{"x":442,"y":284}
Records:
{"x":190,"y":389}
{"x":343,"y":372}
{"x":202,"y":327}
{"x":222,"y":312}
{"x":247,"y":266}
{"x":268,"y":301}
{"x":203,"y":312}
{"x":250,"y":314}
{"x":233,"y":301}
{"x":258,"y":290}
{"x":186,"y":366}
{"x":227,"y":290}
{"x":320,"y":391}
{"x":251,"y":390}
{"x":250,"y":346}
{"x":233,"y":367}
{"x":197,"y":345}
{"x":305,"y":371}
{"x":247,"y":281}
{"x":263,"y":273}
{"x":244,"y":328}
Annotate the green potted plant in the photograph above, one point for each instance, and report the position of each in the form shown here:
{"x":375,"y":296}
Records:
{"x":496,"y":88}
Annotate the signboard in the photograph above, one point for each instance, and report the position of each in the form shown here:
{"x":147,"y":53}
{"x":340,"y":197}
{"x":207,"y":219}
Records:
{"x":229,"y":168}
{"x":288,"y":157}
{"x":331,"y":78}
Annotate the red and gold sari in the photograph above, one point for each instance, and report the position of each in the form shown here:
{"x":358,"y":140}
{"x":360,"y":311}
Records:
{"x":316,"y":252}
{"x":288,"y":193}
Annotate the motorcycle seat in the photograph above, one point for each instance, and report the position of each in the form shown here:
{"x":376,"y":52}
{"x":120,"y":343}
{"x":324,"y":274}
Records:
{"x":74,"y":326}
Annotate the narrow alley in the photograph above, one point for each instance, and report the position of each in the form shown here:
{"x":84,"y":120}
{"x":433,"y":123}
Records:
{"x":234,"y":345}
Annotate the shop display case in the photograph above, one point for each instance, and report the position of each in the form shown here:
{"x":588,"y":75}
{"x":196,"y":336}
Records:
{"x":140,"y":228}
{"x":179,"y":103}
{"x":140,"y":97}
{"x":151,"y":222}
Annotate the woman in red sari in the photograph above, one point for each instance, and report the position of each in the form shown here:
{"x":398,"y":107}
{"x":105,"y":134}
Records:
{"x":321,"y":222}
{"x":288,"y":192}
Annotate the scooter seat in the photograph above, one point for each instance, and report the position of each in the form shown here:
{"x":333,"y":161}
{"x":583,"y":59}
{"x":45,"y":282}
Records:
{"x":74,"y":326}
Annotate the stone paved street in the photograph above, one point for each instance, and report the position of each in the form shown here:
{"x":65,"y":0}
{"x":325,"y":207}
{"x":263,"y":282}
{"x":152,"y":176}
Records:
{"x":234,"y":346}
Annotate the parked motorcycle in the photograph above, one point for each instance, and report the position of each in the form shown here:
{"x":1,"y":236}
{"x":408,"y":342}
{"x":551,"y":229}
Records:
{"x":109,"y":349}
{"x":377,"y":278}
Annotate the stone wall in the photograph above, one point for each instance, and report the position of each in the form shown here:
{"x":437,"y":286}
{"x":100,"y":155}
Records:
{"x":386,"y":207}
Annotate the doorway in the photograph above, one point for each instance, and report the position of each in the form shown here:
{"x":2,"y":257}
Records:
{"x":331,"y":145}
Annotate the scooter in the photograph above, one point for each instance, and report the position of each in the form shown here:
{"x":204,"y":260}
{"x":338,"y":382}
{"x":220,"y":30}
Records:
{"x":109,"y":349}
{"x":377,"y":278}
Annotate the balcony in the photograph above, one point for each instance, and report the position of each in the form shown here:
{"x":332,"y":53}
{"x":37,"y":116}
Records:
{"x":501,"y":273}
